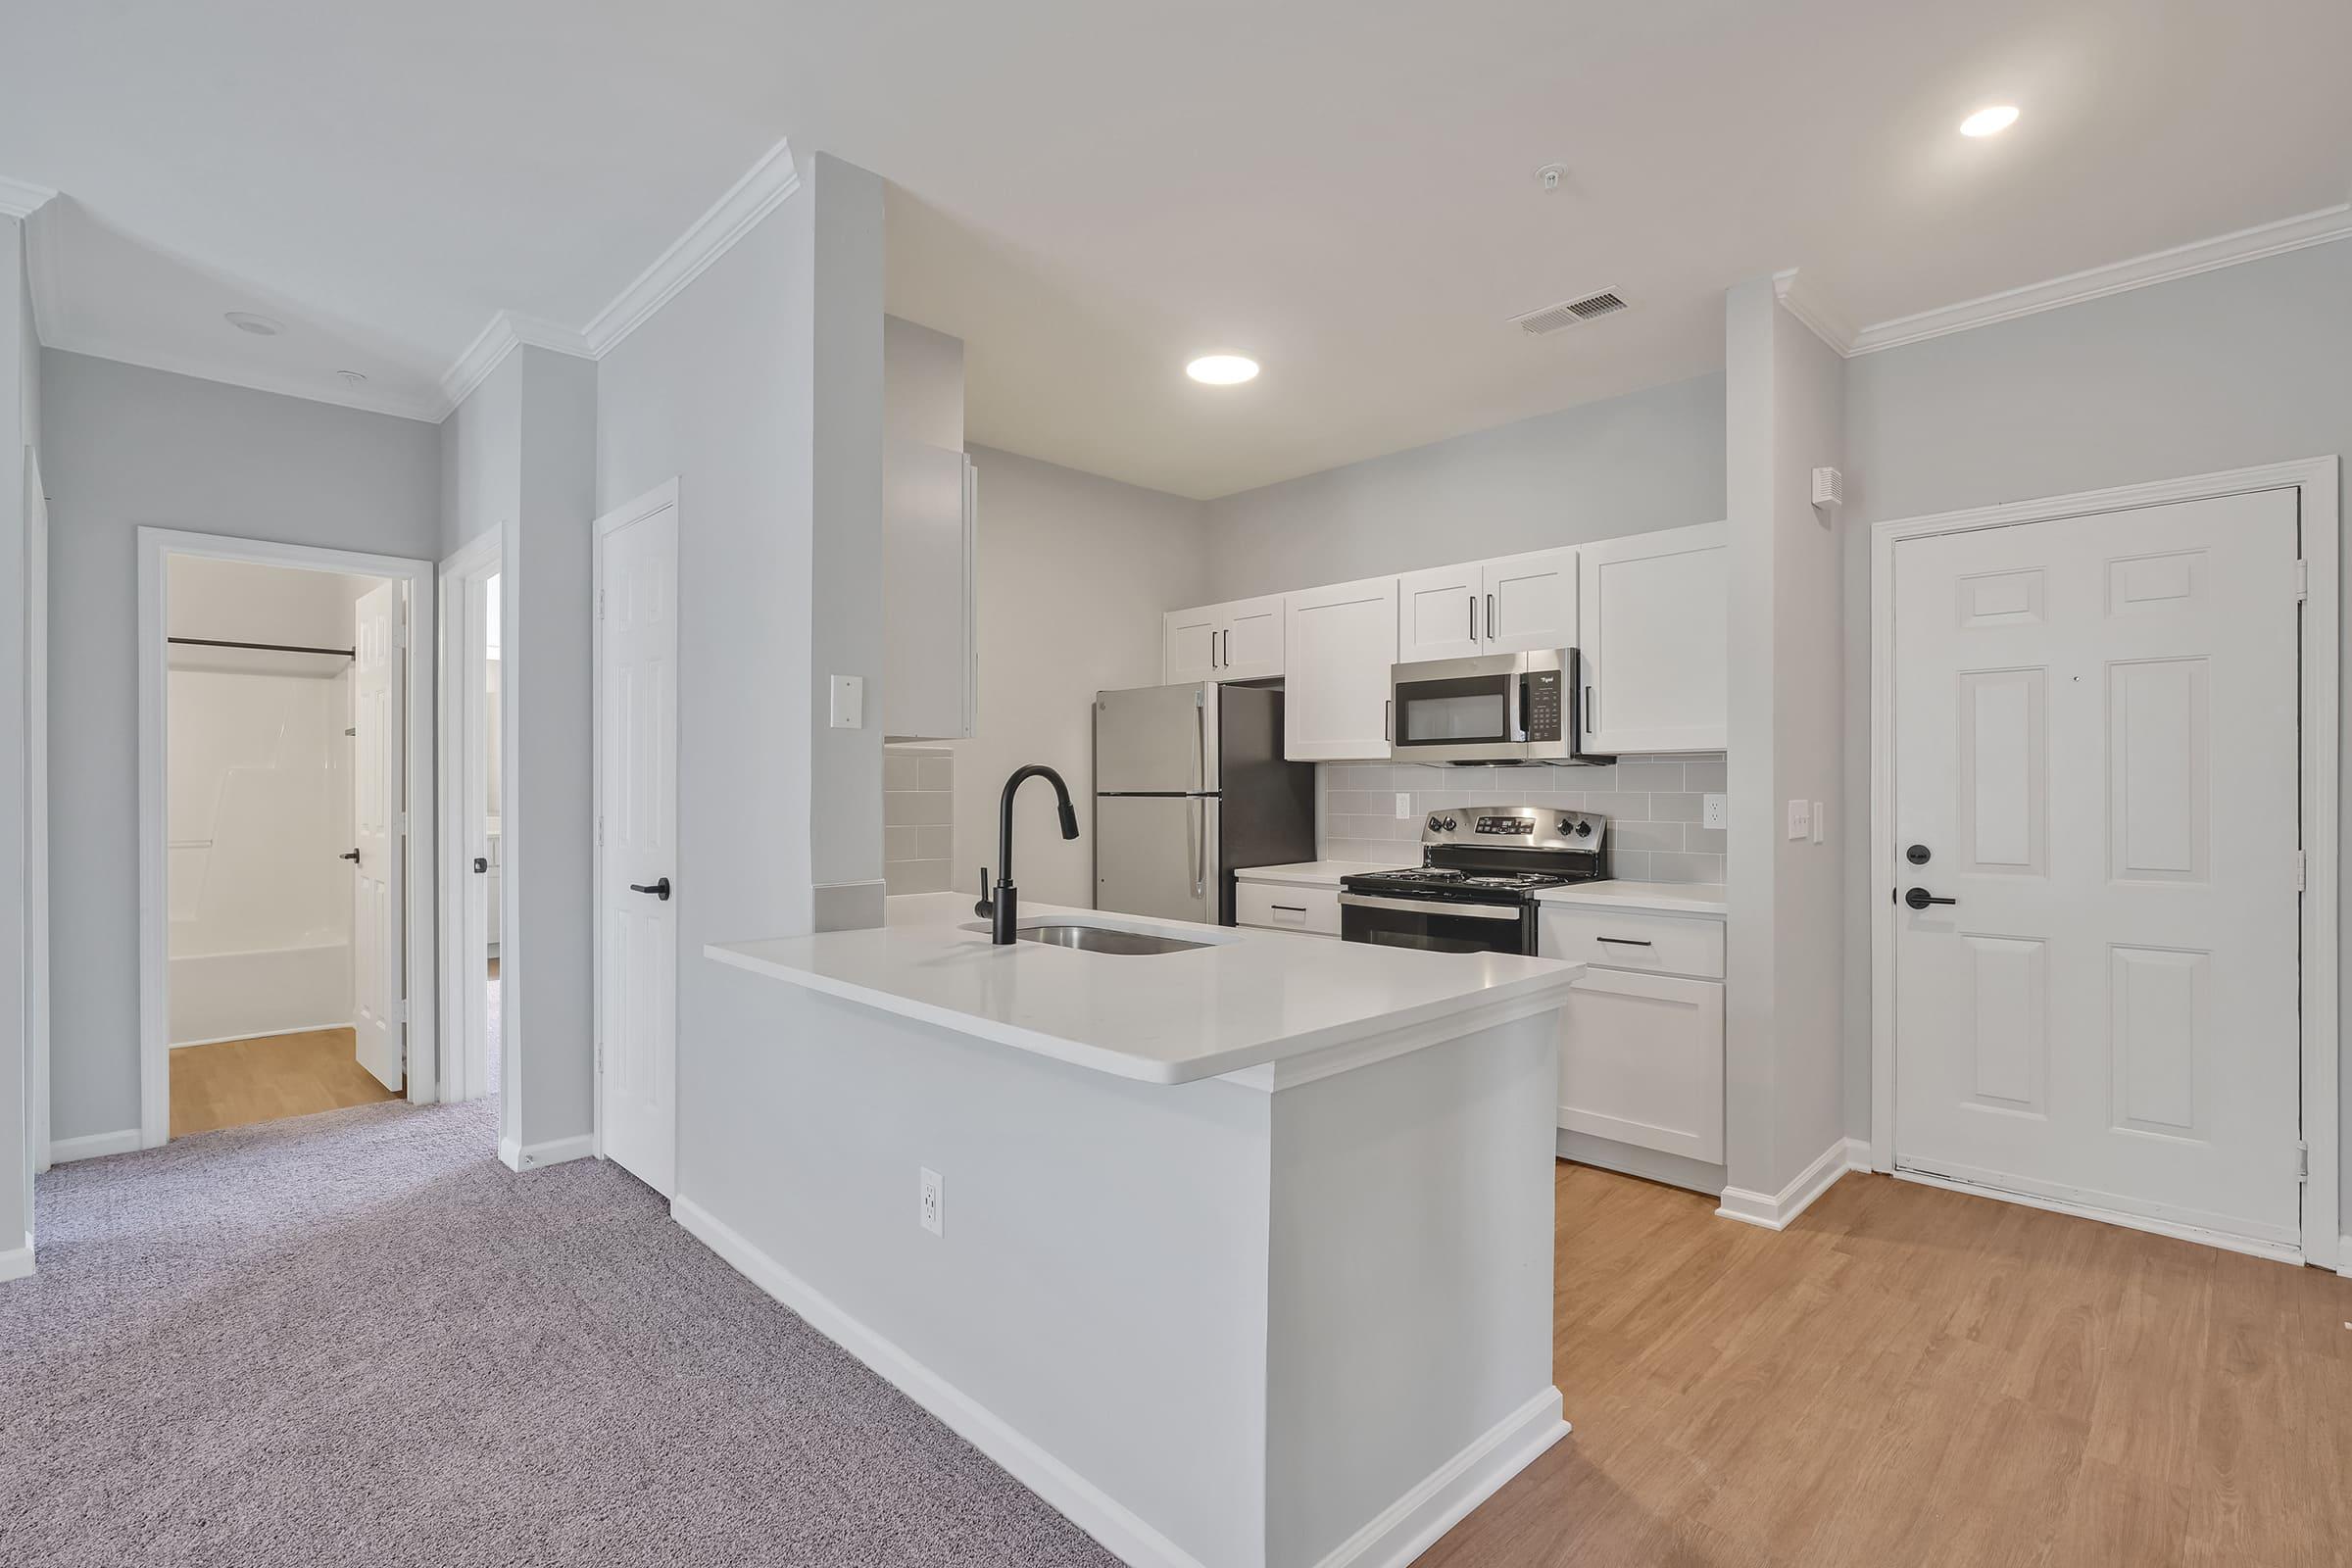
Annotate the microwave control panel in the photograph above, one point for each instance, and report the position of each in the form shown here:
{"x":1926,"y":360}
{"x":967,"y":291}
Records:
{"x":1542,"y":714}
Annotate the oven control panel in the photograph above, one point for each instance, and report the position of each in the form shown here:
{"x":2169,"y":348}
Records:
{"x":1521,"y":827}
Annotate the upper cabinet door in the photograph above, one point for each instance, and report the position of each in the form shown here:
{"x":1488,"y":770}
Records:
{"x":1188,"y":646}
{"x":1249,"y":639}
{"x":1441,"y":614}
{"x":1651,"y":612}
{"x":1341,"y":642}
{"x":1529,"y":602}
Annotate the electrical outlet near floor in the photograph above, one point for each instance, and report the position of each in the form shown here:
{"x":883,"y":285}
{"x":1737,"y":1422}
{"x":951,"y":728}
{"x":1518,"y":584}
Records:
{"x":935,"y":1203}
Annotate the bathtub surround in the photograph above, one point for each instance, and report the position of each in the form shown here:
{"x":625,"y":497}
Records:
{"x":1653,"y":804}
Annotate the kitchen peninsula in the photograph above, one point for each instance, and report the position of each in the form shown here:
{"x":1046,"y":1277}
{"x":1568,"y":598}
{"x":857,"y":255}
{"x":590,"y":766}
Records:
{"x":1237,"y":1250}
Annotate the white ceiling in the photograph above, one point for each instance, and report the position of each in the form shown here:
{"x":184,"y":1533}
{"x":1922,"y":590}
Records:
{"x":1092,"y":194}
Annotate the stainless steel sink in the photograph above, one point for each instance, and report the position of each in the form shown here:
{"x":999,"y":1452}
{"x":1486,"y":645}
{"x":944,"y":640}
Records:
{"x":1104,"y":939}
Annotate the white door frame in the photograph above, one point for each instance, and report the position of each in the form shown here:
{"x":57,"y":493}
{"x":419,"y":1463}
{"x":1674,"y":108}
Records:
{"x":664,"y":494}
{"x":37,"y":806}
{"x":2320,"y":525}
{"x":464,"y":772}
{"x":156,"y":547}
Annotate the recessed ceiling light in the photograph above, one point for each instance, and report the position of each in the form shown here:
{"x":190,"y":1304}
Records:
{"x":1990,"y":122}
{"x":258,"y":326}
{"x":1222,"y":370}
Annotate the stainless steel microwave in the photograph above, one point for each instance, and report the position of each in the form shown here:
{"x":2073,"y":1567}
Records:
{"x":1504,"y":707}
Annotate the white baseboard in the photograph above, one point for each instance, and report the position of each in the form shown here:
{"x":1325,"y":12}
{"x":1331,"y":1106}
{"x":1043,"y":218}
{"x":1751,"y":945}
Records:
{"x":1086,"y":1505}
{"x":1442,"y":1499}
{"x":1857,"y":1153}
{"x":555,"y":1151}
{"x":1775,"y":1210}
{"x":2344,"y":1257}
{"x":267,"y":1034}
{"x":93,"y":1146}
{"x":16,"y":1262}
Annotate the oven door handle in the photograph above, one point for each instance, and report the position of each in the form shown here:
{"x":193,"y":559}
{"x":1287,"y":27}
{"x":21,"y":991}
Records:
{"x":1468,"y":911}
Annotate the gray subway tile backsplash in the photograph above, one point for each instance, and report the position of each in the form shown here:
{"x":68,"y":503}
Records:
{"x":919,"y":814}
{"x":1653,"y":804}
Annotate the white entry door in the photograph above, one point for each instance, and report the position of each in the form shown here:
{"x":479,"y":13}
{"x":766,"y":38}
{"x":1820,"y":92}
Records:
{"x":637,"y":779}
{"x":2095,"y":760}
{"x":377,"y":958}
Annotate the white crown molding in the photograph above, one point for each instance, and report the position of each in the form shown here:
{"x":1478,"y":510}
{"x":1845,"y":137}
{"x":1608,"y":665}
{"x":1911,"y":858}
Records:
{"x":762,"y":188}
{"x":506,"y":332}
{"x":366,"y":398}
{"x":2158,"y":266}
{"x":21,"y":198}
{"x":1805,"y":301}
{"x":760,"y":192}
{"x":43,"y":266}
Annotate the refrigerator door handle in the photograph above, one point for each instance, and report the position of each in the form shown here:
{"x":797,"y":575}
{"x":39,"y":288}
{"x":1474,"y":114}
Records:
{"x":1200,"y":827}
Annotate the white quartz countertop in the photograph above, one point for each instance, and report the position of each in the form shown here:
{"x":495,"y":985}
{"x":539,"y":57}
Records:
{"x":1248,"y":998}
{"x":1662,"y":898}
{"x":1318,"y":873}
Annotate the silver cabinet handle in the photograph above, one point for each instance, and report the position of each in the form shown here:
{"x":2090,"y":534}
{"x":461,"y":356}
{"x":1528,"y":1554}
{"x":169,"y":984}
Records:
{"x":1491,"y":631}
{"x":1474,"y":617}
{"x":1289,"y":908}
{"x":1628,"y":942}
{"x":1227,"y":635}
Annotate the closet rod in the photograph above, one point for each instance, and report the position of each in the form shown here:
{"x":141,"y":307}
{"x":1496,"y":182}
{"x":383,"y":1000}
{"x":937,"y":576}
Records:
{"x":266,"y":648}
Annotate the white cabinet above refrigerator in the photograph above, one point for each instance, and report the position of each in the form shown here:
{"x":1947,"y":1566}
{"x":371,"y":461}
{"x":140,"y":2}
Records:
{"x":1242,"y":640}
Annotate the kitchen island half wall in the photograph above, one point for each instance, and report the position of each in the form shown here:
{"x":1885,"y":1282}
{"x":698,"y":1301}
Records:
{"x":1243,"y":1251}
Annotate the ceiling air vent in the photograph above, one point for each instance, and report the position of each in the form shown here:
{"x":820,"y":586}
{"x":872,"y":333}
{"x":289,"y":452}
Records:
{"x":1551,"y":317}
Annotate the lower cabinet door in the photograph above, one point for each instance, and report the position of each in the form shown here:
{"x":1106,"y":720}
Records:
{"x":1642,"y":1062}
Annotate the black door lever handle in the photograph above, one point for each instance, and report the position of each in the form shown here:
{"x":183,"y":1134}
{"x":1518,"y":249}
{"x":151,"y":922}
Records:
{"x":660,"y":890}
{"x":353,"y":856}
{"x":1921,"y":898}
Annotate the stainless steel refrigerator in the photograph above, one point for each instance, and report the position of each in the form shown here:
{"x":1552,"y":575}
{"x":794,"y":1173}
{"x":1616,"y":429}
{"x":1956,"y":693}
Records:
{"x":1191,"y":786}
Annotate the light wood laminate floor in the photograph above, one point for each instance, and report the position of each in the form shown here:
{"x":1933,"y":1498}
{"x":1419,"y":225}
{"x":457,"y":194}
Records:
{"x":1911,"y":1376}
{"x":237,"y":1082}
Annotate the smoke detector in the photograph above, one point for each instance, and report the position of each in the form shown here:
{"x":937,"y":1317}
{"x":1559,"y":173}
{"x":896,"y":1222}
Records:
{"x":1568,"y":312}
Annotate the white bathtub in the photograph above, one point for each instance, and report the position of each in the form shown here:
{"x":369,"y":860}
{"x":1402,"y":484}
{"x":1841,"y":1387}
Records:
{"x":235,"y":996}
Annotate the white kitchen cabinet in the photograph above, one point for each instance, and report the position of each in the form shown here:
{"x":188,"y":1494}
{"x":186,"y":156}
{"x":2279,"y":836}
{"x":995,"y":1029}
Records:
{"x":1285,"y":906}
{"x":1511,"y":604}
{"x":1651,"y":613}
{"x":930,"y":663}
{"x":1242,"y":640}
{"x":1438,"y":614}
{"x":1339,"y":644}
{"x":1530,"y":600}
{"x":1642,"y":1062}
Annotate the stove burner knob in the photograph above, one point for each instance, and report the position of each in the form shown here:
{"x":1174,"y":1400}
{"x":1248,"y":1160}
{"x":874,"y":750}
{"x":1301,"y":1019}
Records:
{"x":1584,"y":830}
{"x":1451,"y":824}
{"x":1567,"y":824}
{"x":1436,"y":823}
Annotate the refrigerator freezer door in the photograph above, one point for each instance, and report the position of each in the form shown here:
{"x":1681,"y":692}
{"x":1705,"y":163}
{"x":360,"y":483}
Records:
{"x":1157,"y":854}
{"x":1155,"y":740}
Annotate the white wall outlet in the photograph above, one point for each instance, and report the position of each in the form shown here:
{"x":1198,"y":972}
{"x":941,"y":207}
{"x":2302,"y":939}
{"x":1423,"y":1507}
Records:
{"x":848,"y":702}
{"x":1821,"y":824}
{"x":1714,"y":811}
{"x":1800,"y":820}
{"x":935,"y":1203}
{"x":1405,"y":807}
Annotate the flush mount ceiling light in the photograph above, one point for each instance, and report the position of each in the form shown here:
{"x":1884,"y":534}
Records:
{"x":1990,"y":122}
{"x":1221,"y":370}
{"x":258,"y":326}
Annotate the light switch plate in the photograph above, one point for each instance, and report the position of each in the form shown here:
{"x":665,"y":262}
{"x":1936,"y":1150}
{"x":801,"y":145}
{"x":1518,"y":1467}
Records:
{"x":1800,"y":820}
{"x":1714,"y":811}
{"x":848,"y":702}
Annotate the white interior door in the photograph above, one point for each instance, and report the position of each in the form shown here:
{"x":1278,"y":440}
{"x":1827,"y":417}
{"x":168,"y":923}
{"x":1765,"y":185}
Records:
{"x":377,"y":779}
{"x":2096,"y":756}
{"x":637,"y":777}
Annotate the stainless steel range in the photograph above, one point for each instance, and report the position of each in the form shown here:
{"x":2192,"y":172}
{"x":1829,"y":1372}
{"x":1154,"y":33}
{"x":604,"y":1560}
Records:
{"x":1475,"y":888}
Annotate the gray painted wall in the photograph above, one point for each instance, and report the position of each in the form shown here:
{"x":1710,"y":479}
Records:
{"x":1074,"y":573}
{"x":129,"y":447}
{"x":1649,"y":460}
{"x":19,"y":401}
{"x":2248,"y":365}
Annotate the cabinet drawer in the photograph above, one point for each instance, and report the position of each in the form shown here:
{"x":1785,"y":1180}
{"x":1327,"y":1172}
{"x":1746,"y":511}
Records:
{"x":1642,"y":1062}
{"x":1659,"y":943}
{"x":1286,"y":907}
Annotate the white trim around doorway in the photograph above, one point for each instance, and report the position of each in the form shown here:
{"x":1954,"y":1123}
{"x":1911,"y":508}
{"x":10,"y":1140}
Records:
{"x":2321,"y":527}
{"x":156,"y":547}
{"x":464,"y":784}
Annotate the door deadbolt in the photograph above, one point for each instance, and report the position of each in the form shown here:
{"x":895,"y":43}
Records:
{"x":1916,"y":855}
